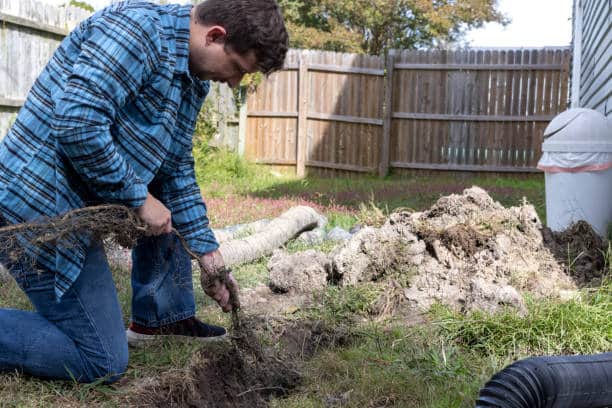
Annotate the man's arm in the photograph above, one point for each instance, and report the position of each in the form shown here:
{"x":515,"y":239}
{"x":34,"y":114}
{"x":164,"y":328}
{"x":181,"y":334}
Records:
{"x":119,"y":51}
{"x":181,"y":193}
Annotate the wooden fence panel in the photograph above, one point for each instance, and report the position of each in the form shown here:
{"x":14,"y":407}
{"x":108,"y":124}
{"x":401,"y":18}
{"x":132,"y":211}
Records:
{"x":29,"y":33}
{"x":472,"y":110}
{"x":345,"y":115}
{"x":329,"y":117}
{"x":489,"y":114}
{"x":272,"y":112}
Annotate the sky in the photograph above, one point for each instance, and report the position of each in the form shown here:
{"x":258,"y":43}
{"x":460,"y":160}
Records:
{"x":535,"y":23}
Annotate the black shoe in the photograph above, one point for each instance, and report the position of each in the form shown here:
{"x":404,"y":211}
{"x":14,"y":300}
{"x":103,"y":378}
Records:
{"x":190,"y":328}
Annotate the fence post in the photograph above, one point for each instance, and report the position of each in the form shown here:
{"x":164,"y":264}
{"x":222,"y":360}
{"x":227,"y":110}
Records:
{"x":242,"y":124}
{"x":383,"y":167}
{"x":303,"y":95}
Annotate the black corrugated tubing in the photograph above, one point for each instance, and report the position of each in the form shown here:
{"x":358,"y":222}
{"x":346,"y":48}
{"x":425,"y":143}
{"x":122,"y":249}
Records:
{"x":583,"y":381}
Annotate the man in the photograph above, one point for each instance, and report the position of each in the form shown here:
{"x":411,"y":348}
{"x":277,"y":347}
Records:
{"x":110,"y":120}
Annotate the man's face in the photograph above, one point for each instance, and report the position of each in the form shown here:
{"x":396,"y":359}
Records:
{"x":210,"y":59}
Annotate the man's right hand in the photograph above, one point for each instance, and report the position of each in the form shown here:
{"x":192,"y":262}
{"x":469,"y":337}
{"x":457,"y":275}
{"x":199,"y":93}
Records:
{"x":155,"y":215}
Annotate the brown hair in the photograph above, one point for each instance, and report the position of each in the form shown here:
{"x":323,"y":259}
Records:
{"x":251,"y":25}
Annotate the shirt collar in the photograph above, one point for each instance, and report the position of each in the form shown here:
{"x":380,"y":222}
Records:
{"x":182,"y":25}
{"x":183,"y":19}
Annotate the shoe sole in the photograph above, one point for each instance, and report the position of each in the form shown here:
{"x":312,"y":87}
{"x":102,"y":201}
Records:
{"x":138,"y":340}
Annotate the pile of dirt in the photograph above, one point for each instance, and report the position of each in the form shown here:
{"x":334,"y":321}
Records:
{"x":480,"y":255}
{"x":467,"y":251}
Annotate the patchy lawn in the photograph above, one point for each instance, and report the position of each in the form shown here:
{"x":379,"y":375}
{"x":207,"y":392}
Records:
{"x":440,"y":360}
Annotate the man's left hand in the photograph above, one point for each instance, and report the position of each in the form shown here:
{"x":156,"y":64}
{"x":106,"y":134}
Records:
{"x":215,"y":283}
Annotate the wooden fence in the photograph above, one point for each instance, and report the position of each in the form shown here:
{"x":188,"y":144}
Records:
{"x":470,"y":110}
{"x":29,"y":33}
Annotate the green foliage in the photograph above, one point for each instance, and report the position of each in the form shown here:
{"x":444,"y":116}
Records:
{"x":213,"y":164}
{"x":373,"y":26}
{"x":340,"y":219}
{"x":251,"y":274}
{"x":10,"y":294}
{"x":311,"y":26}
{"x":251,"y":81}
{"x":581,"y":326}
{"x":81,"y":4}
{"x":205,"y":129}
{"x":221,"y":166}
{"x":371,"y":214}
{"x":223,"y":170}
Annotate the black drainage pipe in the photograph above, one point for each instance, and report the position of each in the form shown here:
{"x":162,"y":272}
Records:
{"x":551,"y":382}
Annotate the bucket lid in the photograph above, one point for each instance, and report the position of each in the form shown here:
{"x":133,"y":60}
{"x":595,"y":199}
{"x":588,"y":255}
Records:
{"x":578,"y":130}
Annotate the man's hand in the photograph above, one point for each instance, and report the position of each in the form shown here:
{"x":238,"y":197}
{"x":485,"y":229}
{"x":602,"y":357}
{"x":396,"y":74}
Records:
{"x":215,"y":282}
{"x":155,"y":215}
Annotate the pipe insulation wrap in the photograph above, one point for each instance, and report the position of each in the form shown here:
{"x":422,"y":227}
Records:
{"x":551,"y":382}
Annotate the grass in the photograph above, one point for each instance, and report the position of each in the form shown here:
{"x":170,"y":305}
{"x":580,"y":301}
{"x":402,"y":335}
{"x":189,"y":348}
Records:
{"x":392,"y":366}
{"x":578,"y":326}
{"x":237,"y":191}
{"x":445,"y":362}
{"x":441,"y":363}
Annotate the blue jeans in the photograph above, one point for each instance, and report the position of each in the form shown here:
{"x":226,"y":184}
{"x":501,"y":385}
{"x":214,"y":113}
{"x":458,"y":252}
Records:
{"x":83,"y":336}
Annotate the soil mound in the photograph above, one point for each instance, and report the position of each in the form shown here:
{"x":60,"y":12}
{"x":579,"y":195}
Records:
{"x":580,"y":250}
{"x":467,"y":251}
{"x":301,"y":273}
{"x":478,"y":254}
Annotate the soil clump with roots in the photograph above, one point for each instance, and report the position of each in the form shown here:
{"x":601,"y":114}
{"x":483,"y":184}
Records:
{"x":580,"y":250}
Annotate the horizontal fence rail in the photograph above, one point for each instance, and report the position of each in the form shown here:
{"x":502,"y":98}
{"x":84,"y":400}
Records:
{"x":466,"y":110}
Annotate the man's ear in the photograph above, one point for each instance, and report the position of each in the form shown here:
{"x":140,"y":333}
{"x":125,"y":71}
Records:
{"x":215,"y":34}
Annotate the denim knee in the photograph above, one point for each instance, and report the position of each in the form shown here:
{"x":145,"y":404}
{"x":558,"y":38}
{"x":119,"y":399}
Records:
{"x":109,"y":367}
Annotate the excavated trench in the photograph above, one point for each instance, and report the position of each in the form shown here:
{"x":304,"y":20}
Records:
{"x":231,"y":374}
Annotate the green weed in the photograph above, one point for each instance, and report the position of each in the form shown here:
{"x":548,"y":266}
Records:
{"x":344,"y":304}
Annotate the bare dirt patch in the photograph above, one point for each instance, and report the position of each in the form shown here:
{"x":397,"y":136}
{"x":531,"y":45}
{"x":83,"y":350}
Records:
{"x":226,"y":376}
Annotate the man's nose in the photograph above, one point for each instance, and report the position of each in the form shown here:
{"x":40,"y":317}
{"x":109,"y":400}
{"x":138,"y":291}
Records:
{"x":235,"y":81}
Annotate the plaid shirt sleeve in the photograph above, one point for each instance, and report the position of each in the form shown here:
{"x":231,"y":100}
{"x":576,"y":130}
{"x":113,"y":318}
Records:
{"x":181,"y":194}
{"x":118,"y":53}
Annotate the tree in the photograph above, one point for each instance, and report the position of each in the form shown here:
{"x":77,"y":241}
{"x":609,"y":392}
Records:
{"x":372,"y":26}
{"x":310,"y":26}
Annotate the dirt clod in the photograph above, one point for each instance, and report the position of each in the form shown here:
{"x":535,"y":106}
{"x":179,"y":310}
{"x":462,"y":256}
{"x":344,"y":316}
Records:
{"x":580,"y":250}
{"x":302,"y":272}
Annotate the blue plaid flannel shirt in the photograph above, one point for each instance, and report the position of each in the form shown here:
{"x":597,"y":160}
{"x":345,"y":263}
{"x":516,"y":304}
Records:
{"x":110,"y":117}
